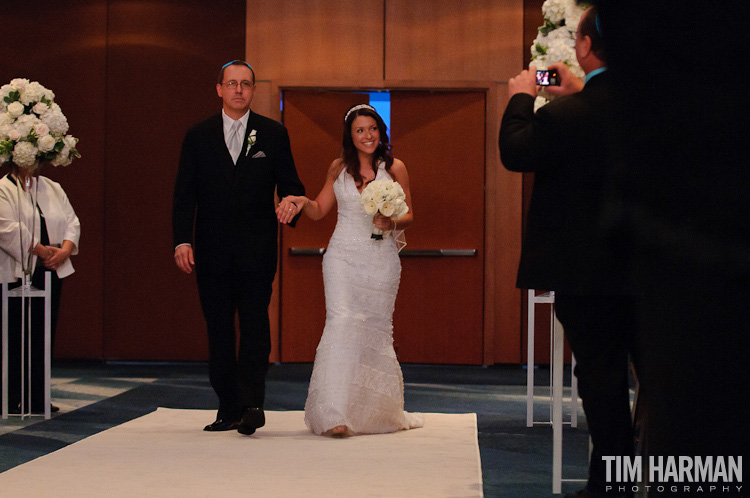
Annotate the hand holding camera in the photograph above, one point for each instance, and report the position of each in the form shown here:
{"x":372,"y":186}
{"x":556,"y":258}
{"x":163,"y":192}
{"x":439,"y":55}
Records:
{"x":524,"y":82}
{"x":566,"y":81}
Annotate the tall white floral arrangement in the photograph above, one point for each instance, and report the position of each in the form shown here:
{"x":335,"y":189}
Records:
{"x":555,"y":41}
{"x":32,"y":127}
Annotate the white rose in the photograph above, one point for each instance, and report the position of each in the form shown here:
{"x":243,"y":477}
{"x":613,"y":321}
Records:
{"x":46,"y":143}
{"x":558,"y":35}
{"x":24,"y":154}
{"x":370,"y":207}
{"x":14,"y":135}
{"x":70,"y":141}
{"x":58,"y":124}
{"x":49,"y":94}
{"x":40,"y":108}
{"x":573,"y":10}
{"x":540,"y":39}
{"x":32,"y":93}
{"x":4,"y":129}
{"x":388,"y":208}
{"x":560,"y":52}
{"x":41,"y":129}
{"x":25,"y":123}
{"x":573,"y":19}
{"x":15,"y":109}
{"x":401,"y":211}
{"x":19,"y":83}
{"x":63,"y":157}
{"x":554,"y":10}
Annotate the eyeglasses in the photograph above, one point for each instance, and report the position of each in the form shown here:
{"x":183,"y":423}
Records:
{"x":244,"y":85}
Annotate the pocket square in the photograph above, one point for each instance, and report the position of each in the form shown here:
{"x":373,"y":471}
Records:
{"x":258,"y":154}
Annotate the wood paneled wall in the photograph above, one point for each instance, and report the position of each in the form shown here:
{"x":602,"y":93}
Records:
{"x":163,"y":59}
{"x":132,"y":76}
{"x":446,"y":40}
{"x":63,"y":46}
{"x":388,"y":44}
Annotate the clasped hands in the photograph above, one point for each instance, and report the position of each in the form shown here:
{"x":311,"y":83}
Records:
{"x":289,"y":207}
{"x":52,"y":257}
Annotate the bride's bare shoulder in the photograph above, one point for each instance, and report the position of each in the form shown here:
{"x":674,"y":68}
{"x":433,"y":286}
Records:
{"x":398,"y":166}
{"x":336,"y":167}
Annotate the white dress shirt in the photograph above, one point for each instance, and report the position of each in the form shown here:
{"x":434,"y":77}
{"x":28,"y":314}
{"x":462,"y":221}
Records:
{"x":228,"y":125}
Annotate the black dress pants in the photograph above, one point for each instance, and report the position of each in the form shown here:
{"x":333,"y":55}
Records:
{"x":601,"y":331}
{"x":34,"y":393}
{"x":238,"y":378}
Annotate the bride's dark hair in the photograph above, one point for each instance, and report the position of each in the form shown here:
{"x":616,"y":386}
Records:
{"x":349,"y":154}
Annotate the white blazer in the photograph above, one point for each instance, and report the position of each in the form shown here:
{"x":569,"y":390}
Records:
{"x":15,"y":227}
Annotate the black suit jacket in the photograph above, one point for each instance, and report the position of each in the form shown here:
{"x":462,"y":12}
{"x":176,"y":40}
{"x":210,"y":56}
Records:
{"x":229,"y":209}
{"x":565,"y":145}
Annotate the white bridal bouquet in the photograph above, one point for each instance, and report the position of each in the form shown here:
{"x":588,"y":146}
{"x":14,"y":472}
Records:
{"x":32,"y":127}
{"x":556,"y":39}
{"x":386,"y":197}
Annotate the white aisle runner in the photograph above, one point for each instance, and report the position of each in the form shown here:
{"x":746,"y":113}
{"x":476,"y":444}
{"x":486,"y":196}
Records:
{"x":166,"y":453}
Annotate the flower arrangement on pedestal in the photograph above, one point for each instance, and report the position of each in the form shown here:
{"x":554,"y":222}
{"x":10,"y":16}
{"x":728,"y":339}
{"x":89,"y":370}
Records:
{"x":32,"y":127}
{"x":555,"y":41}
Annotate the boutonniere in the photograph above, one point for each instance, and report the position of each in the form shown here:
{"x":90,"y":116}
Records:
{"x":250,"y":141}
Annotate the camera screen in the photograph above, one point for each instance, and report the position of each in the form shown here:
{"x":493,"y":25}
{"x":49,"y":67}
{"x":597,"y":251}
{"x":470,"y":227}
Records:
{"x":547,"y":77}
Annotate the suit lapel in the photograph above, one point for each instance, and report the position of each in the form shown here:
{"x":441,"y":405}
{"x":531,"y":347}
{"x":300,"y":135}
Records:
{"x":251,"y":125}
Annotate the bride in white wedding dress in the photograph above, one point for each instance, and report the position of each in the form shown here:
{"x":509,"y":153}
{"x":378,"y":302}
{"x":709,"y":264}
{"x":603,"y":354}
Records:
{"x":356,"y":385}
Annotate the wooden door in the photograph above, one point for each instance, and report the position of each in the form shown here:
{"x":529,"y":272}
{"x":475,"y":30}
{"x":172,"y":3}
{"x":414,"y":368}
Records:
{"x":314,"y":120}
{"x":440,"y":137}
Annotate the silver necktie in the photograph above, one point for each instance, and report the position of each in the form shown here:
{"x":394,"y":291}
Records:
{"x":235,"y":141}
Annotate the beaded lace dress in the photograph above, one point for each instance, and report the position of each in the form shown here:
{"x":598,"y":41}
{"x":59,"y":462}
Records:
{"x":356,"y":379}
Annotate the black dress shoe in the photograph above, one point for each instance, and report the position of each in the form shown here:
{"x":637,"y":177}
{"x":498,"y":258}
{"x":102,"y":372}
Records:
{"x":222,"y":425}
{"x":252,"y":419}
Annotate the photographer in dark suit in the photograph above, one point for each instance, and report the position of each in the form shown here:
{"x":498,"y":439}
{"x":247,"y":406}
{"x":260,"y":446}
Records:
{"x":564,"y":250}
{"x":230,"y":166}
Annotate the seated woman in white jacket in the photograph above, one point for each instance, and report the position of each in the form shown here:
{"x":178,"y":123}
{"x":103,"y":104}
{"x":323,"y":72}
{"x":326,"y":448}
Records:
{"x":39,"y":231}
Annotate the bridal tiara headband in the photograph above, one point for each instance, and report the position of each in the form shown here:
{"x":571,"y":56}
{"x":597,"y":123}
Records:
{"x":358,"y":107}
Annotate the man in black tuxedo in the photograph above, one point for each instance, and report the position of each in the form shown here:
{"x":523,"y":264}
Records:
{"x":564,"y":250}
{"x":230,"y":166}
